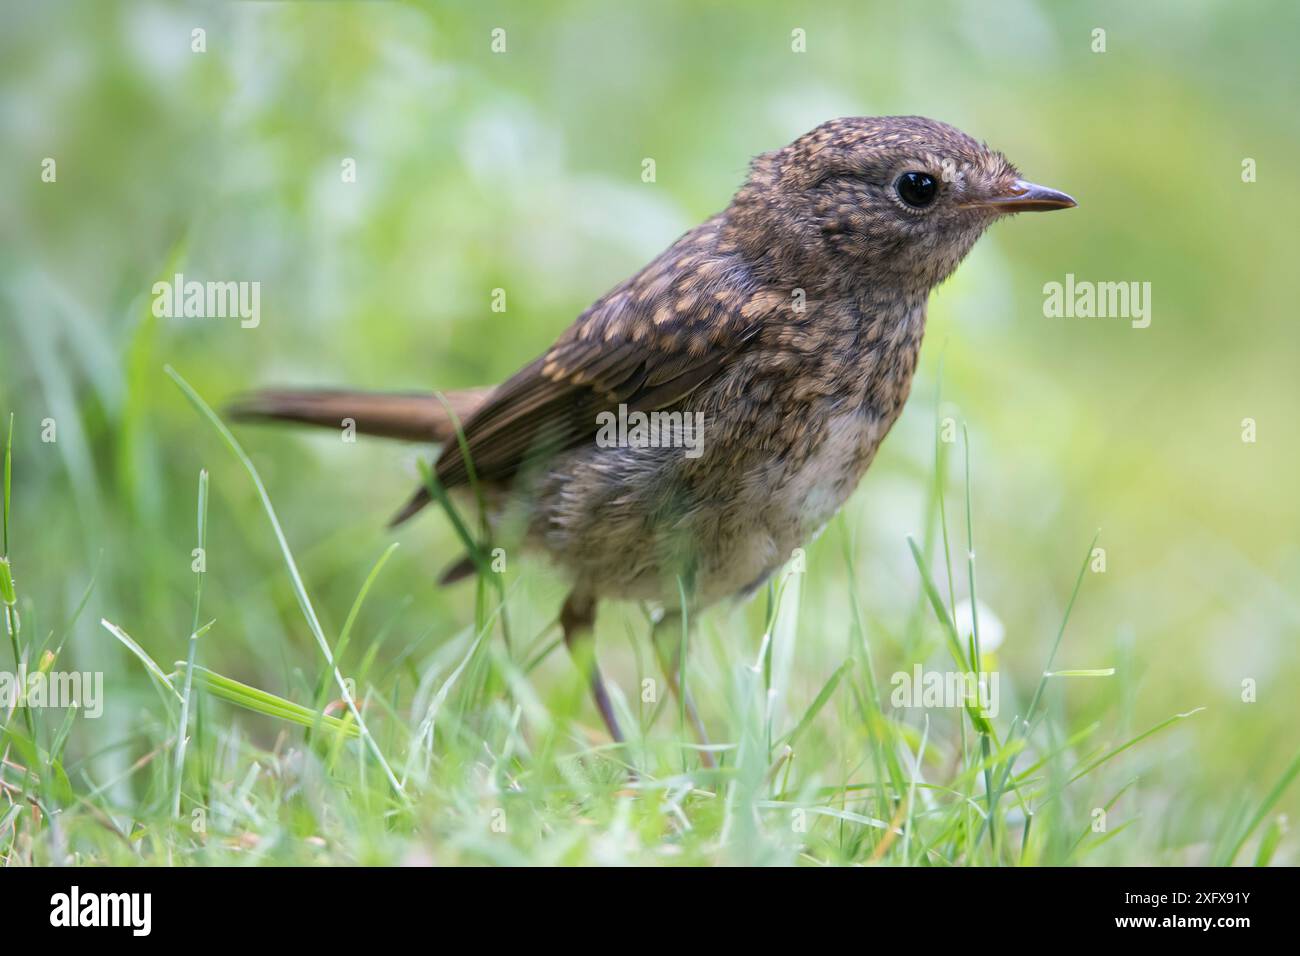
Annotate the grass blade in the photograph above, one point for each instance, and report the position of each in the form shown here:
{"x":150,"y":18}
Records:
{"x":818,"y":703}
{"x":182,"y":732}
{"x":345,"y":635}
{"x":299,"y":589}
{"x":1129,"y":743}
{"x":154,"y":670}
{"x":9,"y":479}
{"x":264,"y":702}
{"x":1274,"y":795}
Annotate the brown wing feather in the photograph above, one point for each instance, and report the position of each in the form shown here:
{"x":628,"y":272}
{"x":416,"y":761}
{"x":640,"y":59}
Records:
{"x":648,"y":344}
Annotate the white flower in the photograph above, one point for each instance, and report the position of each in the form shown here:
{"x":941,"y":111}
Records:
{"x":991,"y":630}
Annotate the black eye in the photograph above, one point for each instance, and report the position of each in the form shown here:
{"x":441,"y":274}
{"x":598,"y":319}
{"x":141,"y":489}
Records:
{"x":917,"y":189}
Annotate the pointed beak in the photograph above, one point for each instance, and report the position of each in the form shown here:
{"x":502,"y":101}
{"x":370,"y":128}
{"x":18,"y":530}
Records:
{"x":1027,"y":197}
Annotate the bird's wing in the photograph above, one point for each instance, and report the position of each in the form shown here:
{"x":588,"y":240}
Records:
{"x":647,"y":345}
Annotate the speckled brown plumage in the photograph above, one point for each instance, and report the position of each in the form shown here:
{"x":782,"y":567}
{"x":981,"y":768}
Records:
{"x":792,"y":321}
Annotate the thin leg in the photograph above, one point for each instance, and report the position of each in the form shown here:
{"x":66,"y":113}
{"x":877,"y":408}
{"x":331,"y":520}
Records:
{"x":668,"y":630}
{"x":577,"y":618}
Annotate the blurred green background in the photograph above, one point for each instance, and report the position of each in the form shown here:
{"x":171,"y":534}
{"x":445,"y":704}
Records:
{"x":522,"y":171}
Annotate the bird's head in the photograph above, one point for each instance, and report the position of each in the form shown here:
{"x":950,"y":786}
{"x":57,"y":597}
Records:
{"x":892,"y":200}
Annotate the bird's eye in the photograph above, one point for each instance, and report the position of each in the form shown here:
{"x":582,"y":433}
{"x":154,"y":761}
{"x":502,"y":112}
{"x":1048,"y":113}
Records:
{"x":917,"y":189}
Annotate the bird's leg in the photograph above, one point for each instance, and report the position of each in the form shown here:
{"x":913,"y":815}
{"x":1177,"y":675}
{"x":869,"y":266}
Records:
{"x":577,"y":618}
{"x":668,"y":631}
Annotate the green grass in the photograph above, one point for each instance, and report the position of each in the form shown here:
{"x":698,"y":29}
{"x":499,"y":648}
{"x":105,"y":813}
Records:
{"x":470,"y":759}
{"x":478,"y":172}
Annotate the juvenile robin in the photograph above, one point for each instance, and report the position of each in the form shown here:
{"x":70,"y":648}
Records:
{"x":787,"y":327}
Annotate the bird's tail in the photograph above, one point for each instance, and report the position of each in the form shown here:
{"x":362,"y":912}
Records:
{"x":411,"y":416}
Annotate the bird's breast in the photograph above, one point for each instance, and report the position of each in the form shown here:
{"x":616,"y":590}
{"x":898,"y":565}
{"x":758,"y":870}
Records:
{"x":811,"y":488}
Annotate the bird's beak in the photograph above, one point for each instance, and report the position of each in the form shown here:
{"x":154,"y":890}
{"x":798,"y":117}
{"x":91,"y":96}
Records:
{"x":1027,"y":197}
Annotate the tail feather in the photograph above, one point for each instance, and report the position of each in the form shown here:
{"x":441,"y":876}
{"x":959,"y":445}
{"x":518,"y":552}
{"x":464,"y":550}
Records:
{"x":409,"y":416}
{"x":422,"y":417}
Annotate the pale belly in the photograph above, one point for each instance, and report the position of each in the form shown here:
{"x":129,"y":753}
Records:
{"x":610,"y":523}
{"x":788,"y":506}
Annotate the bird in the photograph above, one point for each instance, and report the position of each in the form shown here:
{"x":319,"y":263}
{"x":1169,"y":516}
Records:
{"x":780,"y":336}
